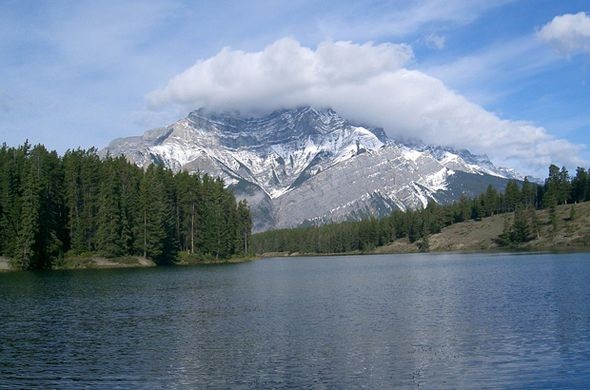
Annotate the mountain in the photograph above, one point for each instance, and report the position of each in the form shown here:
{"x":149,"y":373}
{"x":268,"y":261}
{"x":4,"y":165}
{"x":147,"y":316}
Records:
{"x":308,"y":165}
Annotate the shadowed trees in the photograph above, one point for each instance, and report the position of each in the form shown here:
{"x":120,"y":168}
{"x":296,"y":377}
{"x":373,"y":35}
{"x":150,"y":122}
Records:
{"x":81,"y":204}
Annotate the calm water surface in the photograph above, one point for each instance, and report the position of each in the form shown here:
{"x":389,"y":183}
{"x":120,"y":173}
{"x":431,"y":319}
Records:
{"x":432,"y":321}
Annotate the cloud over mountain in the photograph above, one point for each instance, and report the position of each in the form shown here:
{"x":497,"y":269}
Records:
{"x":371,"y":83}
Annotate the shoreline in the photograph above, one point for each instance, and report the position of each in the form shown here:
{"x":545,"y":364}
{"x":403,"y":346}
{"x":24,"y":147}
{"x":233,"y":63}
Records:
{"x":99,"y":262}
{"x":506,"y":250}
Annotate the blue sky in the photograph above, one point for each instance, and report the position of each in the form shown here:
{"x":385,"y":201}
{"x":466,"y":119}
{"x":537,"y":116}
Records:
{"x":80,"y":73}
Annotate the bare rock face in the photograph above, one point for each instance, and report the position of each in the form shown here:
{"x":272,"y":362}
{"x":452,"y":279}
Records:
{"x":306,"y":165}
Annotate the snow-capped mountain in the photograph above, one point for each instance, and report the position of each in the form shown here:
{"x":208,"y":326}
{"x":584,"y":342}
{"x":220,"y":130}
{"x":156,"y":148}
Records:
{"x":306,"y":165}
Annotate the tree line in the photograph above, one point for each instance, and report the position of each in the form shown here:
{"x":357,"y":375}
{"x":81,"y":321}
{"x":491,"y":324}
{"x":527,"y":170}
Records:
{"x":80,"y":204}
{"x":417,"y":225}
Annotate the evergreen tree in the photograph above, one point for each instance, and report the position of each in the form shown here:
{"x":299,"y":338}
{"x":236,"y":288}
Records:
{"x":564,"y":186}
{"x":26,"y":256}
{"x":244,"y":226}
{"x":82,"y":170}
{"x":151,"y":231}
{"x":572,"y":216}
{"x":491,"y":201}
{"x":557,"y":187}
{"x":535,"y":224}
{"x":463,"y":210}
{"x":40,"y":233}
{"x":109,"y":238}
{"x":529,"y":194}
{"x":13,"y":163}
{"x":520,"y":229}
{"x":579,"y":185}
{"x":553,"y":216}
{"x":512,"y":196}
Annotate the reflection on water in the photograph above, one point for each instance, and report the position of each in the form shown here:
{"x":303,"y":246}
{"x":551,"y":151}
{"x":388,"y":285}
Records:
{"x":373,"y":321}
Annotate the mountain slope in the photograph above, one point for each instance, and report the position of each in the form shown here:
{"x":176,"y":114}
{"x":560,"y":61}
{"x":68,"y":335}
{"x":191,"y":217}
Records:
{"x":306,"y":165}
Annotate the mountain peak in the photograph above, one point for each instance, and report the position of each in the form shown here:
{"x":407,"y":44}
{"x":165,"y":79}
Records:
{"x":308,"y":163}
{"x":209,"y":113}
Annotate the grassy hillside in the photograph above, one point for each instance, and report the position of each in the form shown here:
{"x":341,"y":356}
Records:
{"x":482,"y":235}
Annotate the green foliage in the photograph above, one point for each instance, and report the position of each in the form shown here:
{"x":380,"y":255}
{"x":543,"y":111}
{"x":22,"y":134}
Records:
{"x":28,"y":231}
{"x":244,"y":227}
{"x":512,"y":196}
{"x":39,"y":228}
{"x":557,"y":187}
{"x":520,"y":228}
{"x":535,"y":224}
{"x":519,"y":232}
{"x":572,"y":216}
{"x":424,"y":244}
{"x":553,"y":216}
{"x":109,"y":237}
{"x":81,"y":204}
{"x":529,"y":194}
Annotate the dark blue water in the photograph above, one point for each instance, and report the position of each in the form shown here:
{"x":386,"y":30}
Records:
{"x":432,"y":321}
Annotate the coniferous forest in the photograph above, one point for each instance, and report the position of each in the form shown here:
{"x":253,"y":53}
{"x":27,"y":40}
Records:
{"x":522,"y":198}
{"x":78,"y":204}
{"x":53,"y":206}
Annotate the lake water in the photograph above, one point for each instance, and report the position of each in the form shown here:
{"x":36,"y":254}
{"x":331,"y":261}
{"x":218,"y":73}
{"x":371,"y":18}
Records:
{"x":433,"y":321}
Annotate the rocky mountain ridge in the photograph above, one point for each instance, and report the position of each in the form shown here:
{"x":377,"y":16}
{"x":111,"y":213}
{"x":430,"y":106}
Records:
{"x":308,"y":165}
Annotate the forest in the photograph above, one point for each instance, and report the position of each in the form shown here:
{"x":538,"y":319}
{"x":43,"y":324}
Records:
{"x":55,"y":206}
{"x":79,"y":204}
{"x":522,"y":198}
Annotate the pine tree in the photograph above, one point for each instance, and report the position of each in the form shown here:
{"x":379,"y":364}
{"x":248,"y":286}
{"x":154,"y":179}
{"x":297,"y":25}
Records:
{"x":130,"y":177}
{"x":564,"y":186}
{"x":572,"y":216}
{"x":109,"y":238}
{"x":72,"y":162}
{"x":535,"y":223}
{"x":512,"y":196}
{"x":12,"y":172}
{"x":529,"y":194}
{"x":424,"y":244}
{"x":579,"y":185}
{"x":244,"y":226}
{"x":156,"y":232}
{"x":520,"y":231}
{"x":491,"y":201}
{"x":151,"y":232}
{"x":557,"y":187}
{"x":52,"y":232}
{"x":26,"y":256}
{"x":82,"y":180}
{"x":505,"y":239}
{"x":553,"y":217}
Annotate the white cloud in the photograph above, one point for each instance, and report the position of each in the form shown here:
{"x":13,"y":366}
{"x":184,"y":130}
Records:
{"x":568,"y":34}
{"x":367,"y":83}
{"x":435,"y":41}
{"x":282,"y":74}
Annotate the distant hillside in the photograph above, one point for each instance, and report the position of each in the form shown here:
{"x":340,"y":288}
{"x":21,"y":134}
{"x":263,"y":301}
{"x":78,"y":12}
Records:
{"x":482,"y":235}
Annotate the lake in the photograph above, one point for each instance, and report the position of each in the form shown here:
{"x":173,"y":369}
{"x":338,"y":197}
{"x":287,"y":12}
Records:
{"x":431,"y":320}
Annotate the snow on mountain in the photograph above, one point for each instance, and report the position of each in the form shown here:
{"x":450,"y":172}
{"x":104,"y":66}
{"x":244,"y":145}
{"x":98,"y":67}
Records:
{"x":308,"y":165}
